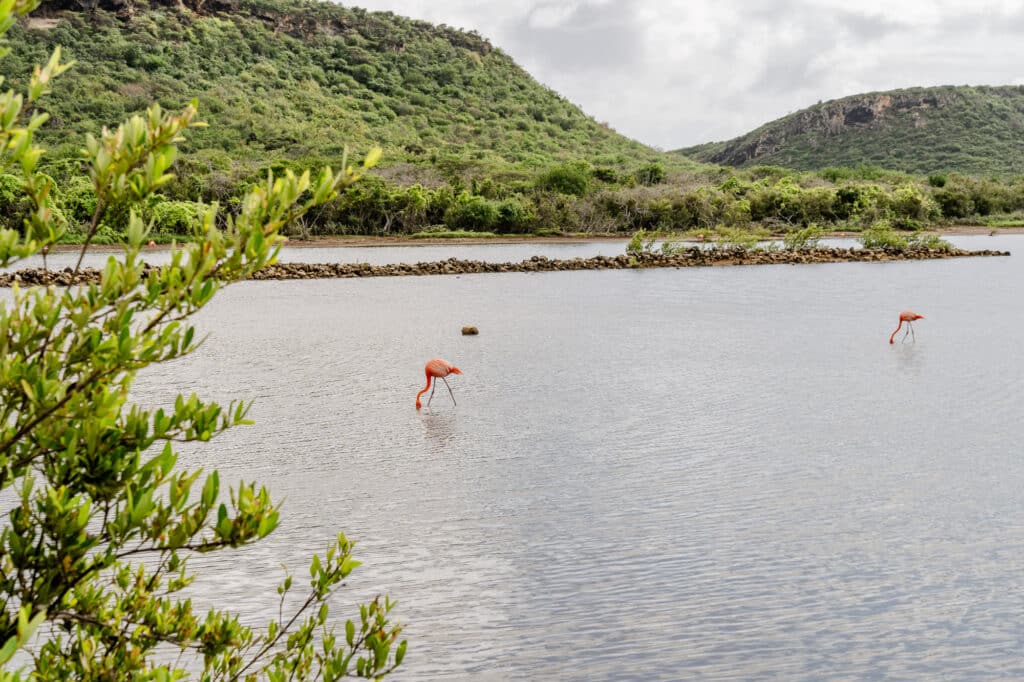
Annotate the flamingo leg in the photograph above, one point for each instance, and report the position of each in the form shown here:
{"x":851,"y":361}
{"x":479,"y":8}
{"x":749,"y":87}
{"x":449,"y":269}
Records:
{"x":912,"y":334}
{"x":906,"y":333}
{"x":431,"y":394}
{"x":449,"y":390}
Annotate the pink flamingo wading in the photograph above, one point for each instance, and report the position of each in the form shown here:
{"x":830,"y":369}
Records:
{"x":907,"y":316}
{"x":437,"y":369}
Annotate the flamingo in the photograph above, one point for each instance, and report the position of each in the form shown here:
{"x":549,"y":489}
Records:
{"x":907,"y":316}
{"x":438,"y":369}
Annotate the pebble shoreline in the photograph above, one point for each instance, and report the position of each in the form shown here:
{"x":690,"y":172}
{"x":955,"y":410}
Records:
{"x":692,"y":257}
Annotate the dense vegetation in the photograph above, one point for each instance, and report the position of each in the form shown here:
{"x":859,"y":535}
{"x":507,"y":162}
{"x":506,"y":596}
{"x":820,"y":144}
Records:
{"x":472,"y":143}
{"x":99,"y":520}
{"x":292,"y":83}
{"x":971,"y":130}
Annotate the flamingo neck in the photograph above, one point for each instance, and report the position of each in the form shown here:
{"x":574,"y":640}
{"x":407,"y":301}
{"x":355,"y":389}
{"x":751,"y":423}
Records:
{"x":425,"y":389}
{"x":898,"y":327}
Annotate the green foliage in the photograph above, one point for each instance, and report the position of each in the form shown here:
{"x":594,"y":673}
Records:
{"x":938,"y":130}
{"x":731,"y":237}
{"x":568,"y":178}
{"x":955,"y":202}
{"x":778,"y":200}
{"x":881,"y":235}
{"x":100,"y":518}
{"x":641,"y":242}
{"x":290,"y":84}
{"x":1003,"y":221}
{"x":471,"y":213}
{"x":14,"y":205}
{"x":175,"y":217}
{"x":515,"y":215}
{"x":474,"y":143}
{"x":786,"y":201}
{"x":651,"y":174}
{"x":606,"y":175}
{"x":452,"y":234}
{"x":929,"y":240}
{"x":78,"y":199}
{"x":802,"y":239}
{"x":912,"y":207}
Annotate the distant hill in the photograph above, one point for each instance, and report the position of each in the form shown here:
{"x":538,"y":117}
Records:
{"x":292,"y":82}
{"x":972,"y":130}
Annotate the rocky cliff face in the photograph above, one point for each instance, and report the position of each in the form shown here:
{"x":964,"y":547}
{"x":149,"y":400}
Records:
{"x":976,"y":130}
{"x":832,"y":119}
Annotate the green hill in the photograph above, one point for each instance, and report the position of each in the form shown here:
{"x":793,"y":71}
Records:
{"x":971,"y":130}
{"x":291,"y":82}
{"x":472,"y":142}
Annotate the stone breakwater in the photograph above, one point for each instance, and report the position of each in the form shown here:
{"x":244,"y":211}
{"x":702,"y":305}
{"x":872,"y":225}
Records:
{"x":693,"y":257}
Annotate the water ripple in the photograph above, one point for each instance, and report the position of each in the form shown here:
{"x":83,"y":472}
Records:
{"x":722,"y":474}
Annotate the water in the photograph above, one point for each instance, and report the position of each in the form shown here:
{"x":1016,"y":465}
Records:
{"x":375,"y":255}
{"x":413,"y":253}
{"x":703,"y":473}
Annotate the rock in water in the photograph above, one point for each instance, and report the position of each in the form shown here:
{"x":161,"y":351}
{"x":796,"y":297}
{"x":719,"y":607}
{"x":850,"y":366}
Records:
{"x":470,"y":331}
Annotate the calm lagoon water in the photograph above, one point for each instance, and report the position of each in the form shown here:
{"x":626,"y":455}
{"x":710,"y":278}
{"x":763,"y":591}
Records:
{"x":375,"y":255}
{"x":412,"y":253}
{"x":718,"y":473}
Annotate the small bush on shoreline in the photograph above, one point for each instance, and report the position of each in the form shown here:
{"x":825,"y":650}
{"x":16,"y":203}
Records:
{"x":453,"y":234}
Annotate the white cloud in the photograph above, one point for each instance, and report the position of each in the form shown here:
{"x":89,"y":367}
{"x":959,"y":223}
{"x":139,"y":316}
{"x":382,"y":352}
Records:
{"x":550,"y":15}
{"x":678,"y":72}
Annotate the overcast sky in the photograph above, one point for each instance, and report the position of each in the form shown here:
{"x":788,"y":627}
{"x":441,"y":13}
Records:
{"x":672,"y":73}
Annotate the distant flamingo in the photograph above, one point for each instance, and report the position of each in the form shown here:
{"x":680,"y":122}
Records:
{"x":907,"y":316}
{"x":437,"y":369}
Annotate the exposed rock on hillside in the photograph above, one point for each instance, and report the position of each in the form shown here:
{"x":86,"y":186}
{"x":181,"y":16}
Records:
{"x":968,"y":129}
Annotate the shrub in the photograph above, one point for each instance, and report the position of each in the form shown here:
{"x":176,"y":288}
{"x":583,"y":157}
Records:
{"x":806,"y":238}
{"x":731,"y":237}
{"x":78,"y":200}
{"x":548,"y":232}
{"x":641,"y":242}
{"x":607,"y":175}
{"x":555,"y":212}
{"x":863,"y":203}
{"x":100,"y":518}
{"x":514,"y":215}
{"x":452,"y":234}
{"x":14,"y":205}
{"x":835,"y":174}
{"x":880,"y":235}
{"x":787,"y":202}
{"x":928,"y":240}
{"x":912,"y":208}
{"x":954,"y":202}
{"x":471,"y":213}
{"x":567,"y":178}
{"x":175,"y":217}
{"x":651,"y":174}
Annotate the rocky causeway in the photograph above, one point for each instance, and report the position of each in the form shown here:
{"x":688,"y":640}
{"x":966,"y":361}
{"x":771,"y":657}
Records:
{"x":691,"y":257}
